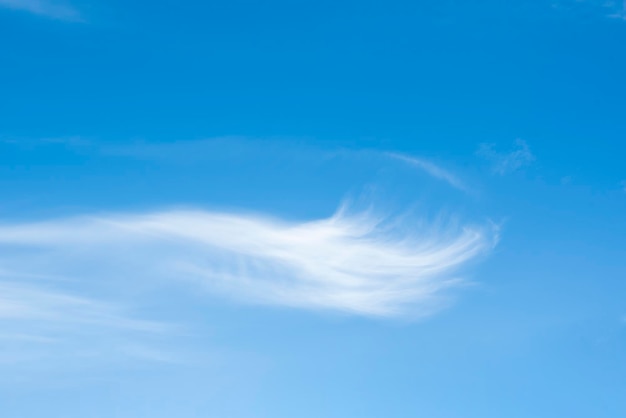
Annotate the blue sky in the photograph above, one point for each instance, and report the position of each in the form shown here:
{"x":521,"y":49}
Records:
{"x":312,"y":209}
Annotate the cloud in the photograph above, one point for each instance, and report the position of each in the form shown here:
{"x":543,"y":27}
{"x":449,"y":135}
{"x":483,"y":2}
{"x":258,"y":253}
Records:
{"x":431,"y":168}
{"x":50,"y":9}
{"x":353,"y":262}
{"x":187,"y":151}
{"x":614,"y":9}
{"x":507,"y":162}
{"x":39,"y":322}
{"x":617,"y":9}
{"x":28,"y":302}
{"x":79,"y":288}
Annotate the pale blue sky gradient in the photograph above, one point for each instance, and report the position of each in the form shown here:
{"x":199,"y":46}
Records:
{"x":313,"y":209}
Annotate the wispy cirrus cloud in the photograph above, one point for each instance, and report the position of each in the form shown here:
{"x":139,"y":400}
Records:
{"x":43,"y":303}
{"x":432,"y":169}
{"x":65,"y":283}
{"x":200,"y":150}
{"x":357,"y":263}
{"x":48,"y":8}
{"x":43,"y":322}
{"x":619,"y":12}
{"x":614,"y":9}
{"x":509,"y":161}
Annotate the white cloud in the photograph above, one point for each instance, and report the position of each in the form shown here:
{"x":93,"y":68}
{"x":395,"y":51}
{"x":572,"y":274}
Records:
{"x":201,"y":150}
{"x":41,"y":323}
{"x":352,"y":262}
{"x":73,"y":287}
{"x":616,"y":8}
{"x":507,"y":162}
{"x":19,"y":301}
{"x":432,"y":169}
{"x":51,"y":9}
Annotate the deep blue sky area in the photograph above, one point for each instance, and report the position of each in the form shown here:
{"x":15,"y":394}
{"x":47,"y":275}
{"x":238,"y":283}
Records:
{"x":312,"y":209}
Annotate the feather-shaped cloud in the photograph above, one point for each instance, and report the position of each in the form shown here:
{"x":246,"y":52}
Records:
{"x":352,"y":262}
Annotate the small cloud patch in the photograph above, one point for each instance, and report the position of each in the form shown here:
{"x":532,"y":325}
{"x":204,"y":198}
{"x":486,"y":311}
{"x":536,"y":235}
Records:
{"x":507,"y":162}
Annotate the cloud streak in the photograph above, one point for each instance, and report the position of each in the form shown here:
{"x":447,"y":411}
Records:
{"x":19,"y":301}
{"x":430,"y":168}
{"x":50,"y":9}
{"x":354,"y":262}
{"x":616,"y":8}
{"x":43,"y":322}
